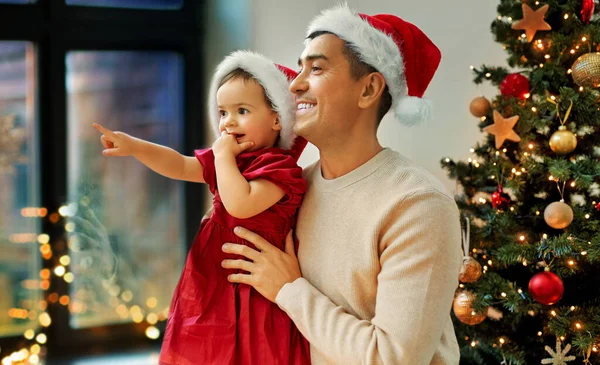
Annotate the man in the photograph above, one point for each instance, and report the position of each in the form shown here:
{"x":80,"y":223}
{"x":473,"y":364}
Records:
{"x":379,"y":240}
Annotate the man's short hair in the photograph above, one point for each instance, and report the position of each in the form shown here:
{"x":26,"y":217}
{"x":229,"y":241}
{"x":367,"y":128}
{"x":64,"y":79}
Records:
{"x":358,"y":69}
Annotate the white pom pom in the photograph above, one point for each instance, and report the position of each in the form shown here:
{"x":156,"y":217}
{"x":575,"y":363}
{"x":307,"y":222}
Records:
{"x":410,"y":110}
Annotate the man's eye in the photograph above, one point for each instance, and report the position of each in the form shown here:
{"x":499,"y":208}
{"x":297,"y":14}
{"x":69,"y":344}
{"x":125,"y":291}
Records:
{"x":243,"y":111}
{"x":315,"y":68}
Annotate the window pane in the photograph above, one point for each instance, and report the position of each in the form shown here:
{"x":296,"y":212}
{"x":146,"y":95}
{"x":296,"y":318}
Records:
{"x":127,"y":253}
{"x":20,"y":262}
{"x":135,"y":4}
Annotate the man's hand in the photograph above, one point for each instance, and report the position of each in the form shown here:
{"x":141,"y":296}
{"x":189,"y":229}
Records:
{"x":116,"y":143}
{"x":226,"y":144}
{"x":269,"y":269}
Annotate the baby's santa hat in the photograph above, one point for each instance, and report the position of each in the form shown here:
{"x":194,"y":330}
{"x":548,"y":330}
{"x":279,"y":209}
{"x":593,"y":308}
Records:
{"x":397,"y":49}
{"x":275,"y":80}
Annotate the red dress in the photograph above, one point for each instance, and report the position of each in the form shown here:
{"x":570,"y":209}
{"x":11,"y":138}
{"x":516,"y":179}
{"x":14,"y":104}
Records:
{"x":212,"y":321}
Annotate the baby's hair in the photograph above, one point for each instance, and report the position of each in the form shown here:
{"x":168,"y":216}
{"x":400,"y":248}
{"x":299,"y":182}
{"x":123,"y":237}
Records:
{"x":240,"y":73}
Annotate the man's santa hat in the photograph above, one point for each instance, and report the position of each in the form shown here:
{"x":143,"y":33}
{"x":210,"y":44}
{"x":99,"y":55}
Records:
{"x":273,"y":78}
{"x":399,"y":50}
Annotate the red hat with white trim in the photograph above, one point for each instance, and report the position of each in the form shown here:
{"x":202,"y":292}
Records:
{"x":397,"y":49}
{"x":273,"y":78}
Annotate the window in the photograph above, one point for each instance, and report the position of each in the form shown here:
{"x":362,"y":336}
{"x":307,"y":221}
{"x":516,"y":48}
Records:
{"x":139,"y":4}
{"x":20,"y":261}
{"x":91,"y":247}
{"x":141,"y":212}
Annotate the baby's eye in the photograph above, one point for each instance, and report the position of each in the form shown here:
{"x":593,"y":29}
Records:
{"x":243,"y":111}
{"x":222,"y":113}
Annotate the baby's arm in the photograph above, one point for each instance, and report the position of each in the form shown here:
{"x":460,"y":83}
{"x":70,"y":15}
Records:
{"x":241,"y":198}
{"x":160,"y":159}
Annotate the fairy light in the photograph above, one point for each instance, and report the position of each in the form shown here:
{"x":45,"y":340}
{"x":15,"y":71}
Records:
{"x":562,"y":338}
{"x":524,"y":262}
{"x":461,"y":286}
{"x":45,"y":320}
{"x":471,"y":150}
{"x":504,"y":150}
{"x":523,"y":35}
{"x":488,"y":74}
{"x":502,"y":340}
{"x":68,"y":277}
{"x":553,"y":313}
{"x":572,"y":51}
{"x":533,"y":109}
{"x":503,"y":295}
{"x":447,"y":160}
{"x":539,"y":333}
{"x":29,"y":334}
{"x":583,"y":253}
{"x":473,"y":343}
{"x":59,"y":270}
{"x":566,"y":16}
{"x":65,"y":260}
{"x":483,"y":118}
{"x":528,"y":95}
{"x":41,"y":338}
{"x":152,"y":318}
{"x":569,"y":71}
{"x":587,"y":216}
{"x":472,"y":67}
{"x":489,"y":262}
{"x":547,"y":56}
{"x":550,"y":177}
{"x":583,"y":39}
{"x":595,"y":349}
{"x":512,"y":209}
{"x":152,"y":333}
{"x":552,"y":97}
{"x":578,"y":326}
{"x":521,"y":238}
{"x":541,"y":65}
{"x":571,"y":262}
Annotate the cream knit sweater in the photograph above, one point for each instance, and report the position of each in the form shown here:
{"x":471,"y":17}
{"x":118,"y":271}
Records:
{"x":380,"y":255}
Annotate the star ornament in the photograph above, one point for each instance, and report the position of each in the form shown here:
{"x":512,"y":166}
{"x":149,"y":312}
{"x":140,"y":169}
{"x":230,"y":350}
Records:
{"x":560,"y":356}
{"x":502,"y":129}
{"x":532,"y":21}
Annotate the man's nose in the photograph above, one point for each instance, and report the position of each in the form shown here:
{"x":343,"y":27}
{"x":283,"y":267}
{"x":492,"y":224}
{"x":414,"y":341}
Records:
{"x":299,"y":84}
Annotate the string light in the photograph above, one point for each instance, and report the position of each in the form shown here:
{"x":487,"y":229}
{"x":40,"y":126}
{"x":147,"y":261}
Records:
{"x":578,"y":326}
{"x":533,"y":109}
{"x":553,"y":313}
{"x":571,"y":262}
{"x":503,"y":295}
{"x":569,"y":71}
{"x":587,"y":216}
{"x":539,"y":333}
{"x":522,"y":238}
{"x":566,"y":16}
{"x":583,"y":39}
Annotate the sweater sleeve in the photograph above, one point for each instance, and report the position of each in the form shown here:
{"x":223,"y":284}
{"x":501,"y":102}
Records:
{"x":420,"y":256}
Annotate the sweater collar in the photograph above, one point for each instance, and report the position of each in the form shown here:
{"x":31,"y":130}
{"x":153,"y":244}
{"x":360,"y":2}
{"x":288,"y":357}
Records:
{"x":353,"y":176}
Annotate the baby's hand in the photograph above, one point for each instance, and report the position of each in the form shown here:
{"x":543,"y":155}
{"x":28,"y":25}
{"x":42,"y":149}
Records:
{"x":116,"y":143}
{"x":227,"y":144}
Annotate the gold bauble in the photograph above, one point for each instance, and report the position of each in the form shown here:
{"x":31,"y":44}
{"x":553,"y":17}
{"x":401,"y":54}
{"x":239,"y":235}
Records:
{"x":463,"y":309}
{"x":558,"y":215}
{"x":563,"y":141}
{"x":480,"y":106}
{"x":586,"y":70}
{"x":470,"y":271}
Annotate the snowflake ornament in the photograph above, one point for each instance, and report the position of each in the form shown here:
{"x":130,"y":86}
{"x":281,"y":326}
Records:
{"x":560,"y":356}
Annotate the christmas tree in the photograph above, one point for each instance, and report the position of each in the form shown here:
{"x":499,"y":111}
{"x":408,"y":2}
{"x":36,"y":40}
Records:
{"x":530,"y":194}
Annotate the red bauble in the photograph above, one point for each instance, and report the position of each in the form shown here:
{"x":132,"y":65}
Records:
{"x":598,"y":207}
{"x":500,"y":200}
{"x":515,"y":85}
{"x":546,"y":288}
{"x":587,"y":10}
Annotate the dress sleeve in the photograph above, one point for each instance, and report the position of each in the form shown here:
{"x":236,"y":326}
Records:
{"x":207,"y":159}
{"x":298,"y":146}
{"x":280,"y":169}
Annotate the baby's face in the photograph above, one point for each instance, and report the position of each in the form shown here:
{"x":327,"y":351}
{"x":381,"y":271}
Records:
{"x":245,"y":113}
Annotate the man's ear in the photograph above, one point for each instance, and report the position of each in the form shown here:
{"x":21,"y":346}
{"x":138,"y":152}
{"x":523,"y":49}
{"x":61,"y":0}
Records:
{"x":372,"y":87}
